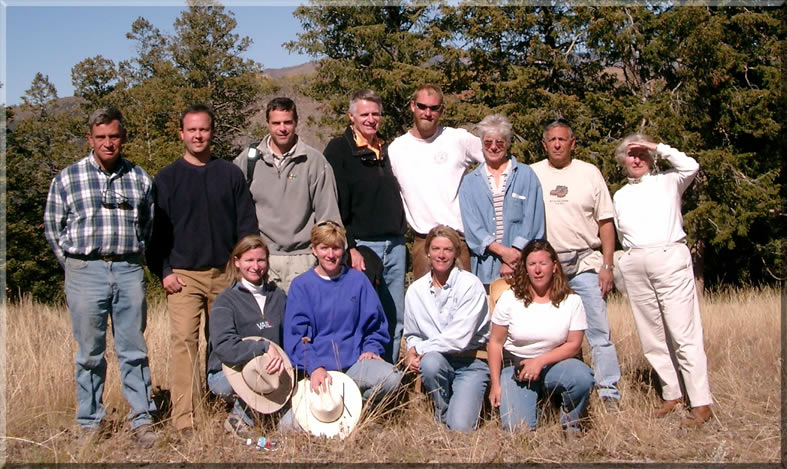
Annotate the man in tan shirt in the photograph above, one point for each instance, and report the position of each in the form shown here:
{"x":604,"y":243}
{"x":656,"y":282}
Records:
{"x":579,"y":216}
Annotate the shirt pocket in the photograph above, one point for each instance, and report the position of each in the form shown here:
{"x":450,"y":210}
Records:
{"x":514,"y":207}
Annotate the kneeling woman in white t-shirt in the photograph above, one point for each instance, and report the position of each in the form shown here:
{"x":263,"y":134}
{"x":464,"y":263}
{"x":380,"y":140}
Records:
{"x":537,"y":330}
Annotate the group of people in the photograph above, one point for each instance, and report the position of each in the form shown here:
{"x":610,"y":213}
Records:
{"x":296,"y":259}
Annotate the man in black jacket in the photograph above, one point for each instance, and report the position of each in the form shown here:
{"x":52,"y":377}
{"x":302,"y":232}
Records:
{"x":370,"y":205}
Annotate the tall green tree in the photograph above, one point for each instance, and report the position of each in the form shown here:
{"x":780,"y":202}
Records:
{"x":37,"y":148}
{"x":704,"y":79}
{"x":200,"y":62}
{"x":387,"y":49}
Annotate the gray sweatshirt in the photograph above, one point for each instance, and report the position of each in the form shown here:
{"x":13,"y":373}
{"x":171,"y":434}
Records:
{"x":290,"y":199}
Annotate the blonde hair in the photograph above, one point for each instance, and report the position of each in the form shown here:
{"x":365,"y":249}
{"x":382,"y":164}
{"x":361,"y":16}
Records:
{"x":431,"y":89}
{"x":246,"y":244}
{"x":443,"y":231}
{"x":330,"y":233}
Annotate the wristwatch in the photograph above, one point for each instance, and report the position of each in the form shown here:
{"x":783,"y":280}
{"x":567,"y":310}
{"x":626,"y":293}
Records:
{"x":609,"y":267}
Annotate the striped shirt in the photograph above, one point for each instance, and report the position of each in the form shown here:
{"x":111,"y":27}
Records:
{"x":498,"y":196}
{"x":92,"y":212}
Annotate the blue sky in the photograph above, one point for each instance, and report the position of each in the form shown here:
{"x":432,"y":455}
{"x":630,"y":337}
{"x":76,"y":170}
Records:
{"x":52,"y":39}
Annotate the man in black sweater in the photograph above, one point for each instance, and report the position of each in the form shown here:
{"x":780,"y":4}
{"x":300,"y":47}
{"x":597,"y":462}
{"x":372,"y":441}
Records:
{"x":203,"y":207}
{"x":370,"y":205}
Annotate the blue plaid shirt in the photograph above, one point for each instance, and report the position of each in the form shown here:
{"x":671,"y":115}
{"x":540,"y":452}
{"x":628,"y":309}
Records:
{"x":90,"y":211}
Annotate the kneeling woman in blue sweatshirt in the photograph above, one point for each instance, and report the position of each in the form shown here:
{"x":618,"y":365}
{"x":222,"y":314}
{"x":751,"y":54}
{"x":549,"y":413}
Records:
{"x":334,"y":321}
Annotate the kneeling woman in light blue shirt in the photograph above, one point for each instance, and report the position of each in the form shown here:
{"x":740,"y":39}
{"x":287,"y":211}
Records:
{"x":446,"y":326}
{"x":537,"y":330}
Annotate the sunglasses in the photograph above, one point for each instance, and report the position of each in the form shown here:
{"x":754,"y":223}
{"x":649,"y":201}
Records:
{"x":424,"y":107}
{"x":112,"y":199}
{"x":489,"y":143}
{"x":328,"y":223}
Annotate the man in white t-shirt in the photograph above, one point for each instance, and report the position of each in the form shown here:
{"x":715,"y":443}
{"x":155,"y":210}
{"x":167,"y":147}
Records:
{"x":579,"y":216}
{"x":429,"y":162}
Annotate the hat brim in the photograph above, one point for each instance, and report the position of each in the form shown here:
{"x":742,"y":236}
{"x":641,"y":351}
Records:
{"x":351,"y":414}
{"x":263,"y":403}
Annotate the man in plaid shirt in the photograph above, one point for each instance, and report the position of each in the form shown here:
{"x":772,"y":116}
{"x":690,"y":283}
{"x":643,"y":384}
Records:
{"x":97,"y":219}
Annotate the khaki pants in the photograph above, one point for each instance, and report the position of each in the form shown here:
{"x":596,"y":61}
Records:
{"x":282,"y":270}
{"x":421,"y":263}
{"x":185,"y":312}
{"x":663,"y":297}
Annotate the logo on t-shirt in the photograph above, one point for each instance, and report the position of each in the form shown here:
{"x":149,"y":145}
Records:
{"x":559,"y":191}
{"x":264,"y":325}
{"x":440,"y":157}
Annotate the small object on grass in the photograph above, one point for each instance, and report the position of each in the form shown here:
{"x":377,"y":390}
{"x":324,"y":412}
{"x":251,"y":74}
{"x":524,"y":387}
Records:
{"x":263,"y":443}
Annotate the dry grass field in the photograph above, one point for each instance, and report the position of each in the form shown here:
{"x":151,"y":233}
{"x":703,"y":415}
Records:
{"x":742,"y":338}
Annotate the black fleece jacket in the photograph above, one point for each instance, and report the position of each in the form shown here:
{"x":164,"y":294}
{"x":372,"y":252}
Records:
{"x":369,"y":199}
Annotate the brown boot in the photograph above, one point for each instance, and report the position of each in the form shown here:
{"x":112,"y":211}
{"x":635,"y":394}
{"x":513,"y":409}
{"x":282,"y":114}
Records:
{"x":666,"y":408}
{"x":698,"y":416}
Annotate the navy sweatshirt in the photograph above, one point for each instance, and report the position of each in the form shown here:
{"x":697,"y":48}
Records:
{"x":201,"y":213}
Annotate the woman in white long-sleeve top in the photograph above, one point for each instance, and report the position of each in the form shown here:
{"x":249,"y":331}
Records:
{"x":446,"y":326}
{"x":658,"y":274}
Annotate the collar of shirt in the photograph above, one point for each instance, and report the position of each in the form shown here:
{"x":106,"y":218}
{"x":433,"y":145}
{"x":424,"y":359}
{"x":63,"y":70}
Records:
{"x":506,"y":172}
{"x":277,"y":159}
{"x":376,"y":146}
{"x":258,"y":289}
{"x":448,"y":283}
{"x":119,"y":168}
{"x":639,"y":179}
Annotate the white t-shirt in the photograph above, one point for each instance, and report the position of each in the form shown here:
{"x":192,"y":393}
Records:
{"x":429,"y":173}
{"x":539,"y":328}
{"x":576,"y":198}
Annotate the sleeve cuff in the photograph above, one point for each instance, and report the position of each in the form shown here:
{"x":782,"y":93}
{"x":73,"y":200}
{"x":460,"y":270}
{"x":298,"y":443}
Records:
{"x":519,"y":242}
{"x":486,"y":242}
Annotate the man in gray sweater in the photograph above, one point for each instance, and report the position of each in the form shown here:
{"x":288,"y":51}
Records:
{"x":293,"y":188}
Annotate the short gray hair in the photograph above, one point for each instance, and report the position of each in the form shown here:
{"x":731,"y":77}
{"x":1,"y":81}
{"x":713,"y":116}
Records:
{"x":495,"y":124}
{"x":621,"y":149}
{"x":558,"y":123}
{"x":105,"y":115}
{"x":365,"y":95}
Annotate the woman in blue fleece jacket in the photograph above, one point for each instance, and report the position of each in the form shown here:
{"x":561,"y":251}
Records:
{"x":251,"y":306}
{"x":334,"y":320}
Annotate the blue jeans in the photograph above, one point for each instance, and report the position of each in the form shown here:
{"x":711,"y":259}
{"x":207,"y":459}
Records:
{"x":375,"y":379}
{"x":220,"y":386}
{"x":519,"y":399}
{"x":95,"y":291}
{"x":605,"y":358}
{"x":393,"y":252}
{"x":457,"y":387}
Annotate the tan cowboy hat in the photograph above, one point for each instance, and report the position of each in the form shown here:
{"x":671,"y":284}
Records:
{"x":330,"y":413}
{"x":263,"y":392}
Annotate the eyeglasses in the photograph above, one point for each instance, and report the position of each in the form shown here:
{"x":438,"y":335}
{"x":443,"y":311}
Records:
{"x":489,"y":143}
{"x":328,"y":223}
{"x":112,"y":199}
{"x":424,"y":107}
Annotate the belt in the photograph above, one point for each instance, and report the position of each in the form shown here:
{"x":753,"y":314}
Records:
{"x":423,"y":236}
{"x":657,"y":246}
{"x":479,"y":353}
{"x":106,"y":257}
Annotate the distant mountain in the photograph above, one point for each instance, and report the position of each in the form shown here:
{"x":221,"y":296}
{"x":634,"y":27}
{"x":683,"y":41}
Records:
{"x":301,"y":69}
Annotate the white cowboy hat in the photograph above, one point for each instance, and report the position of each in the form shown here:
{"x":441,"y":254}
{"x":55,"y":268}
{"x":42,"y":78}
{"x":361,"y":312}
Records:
{"x":330,"y":413}
{"x":263,"y":392}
